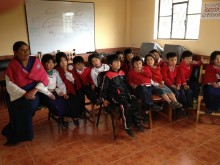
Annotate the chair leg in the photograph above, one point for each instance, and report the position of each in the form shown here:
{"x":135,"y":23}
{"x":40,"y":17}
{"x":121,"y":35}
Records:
{"x":99,"y":114}
{"x":113,"y":126}
{"x":93,"y":112}
{"x":198,"y":109}
{"x":150,"y":119}
{"x":170,"y":113}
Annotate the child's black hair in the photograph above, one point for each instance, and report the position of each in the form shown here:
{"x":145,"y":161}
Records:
{"x":78,"y":59}
{"x":213,"y":56}
{"x":126,"y":52}
{"x":148,"y":55}
{"x":111,"y":58}
{"x":60,"y":55}
{"x":171,"y":55}
{"x":18,"y":44}
{"x":119,"y":52}
{"x":186,"y":53}
{"x":155,"y":50}
{"x":46,"y":58}
{"x":136,"y":59}
{"x":93,"y":55}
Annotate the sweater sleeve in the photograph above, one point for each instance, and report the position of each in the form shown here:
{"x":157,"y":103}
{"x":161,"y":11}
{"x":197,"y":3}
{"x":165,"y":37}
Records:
{"x":14,"y":91}
{"x":180,"y":76}
{"x":43,"y":89}
{"x":166,"y":79}
{"x":60,"y":85}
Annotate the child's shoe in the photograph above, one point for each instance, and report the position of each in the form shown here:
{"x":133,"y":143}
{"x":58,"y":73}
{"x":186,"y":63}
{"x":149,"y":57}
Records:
{"x":64,"y":123}
{"x":175,"y":105}
{"x":140,"y":127}
{"x":146,"y":119}
{"x":130,"y":132}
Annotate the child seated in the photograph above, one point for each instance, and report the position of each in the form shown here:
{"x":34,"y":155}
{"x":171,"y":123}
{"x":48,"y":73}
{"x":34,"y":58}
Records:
{"x":139,"y":78}
{"x":72,"y":84}
{"x":127,"y":60}
{"x":158,"y":59}
{"x":191,"y":88}
{"x":115,"y":91}
{"x":84,"y":75}
{"x":159,"y":87}
{"x":169,"y":73}
{"x":120,"y":56}
{"x":95,"y":61}
{"x":212,"y":84}
{"x":57,"y":88}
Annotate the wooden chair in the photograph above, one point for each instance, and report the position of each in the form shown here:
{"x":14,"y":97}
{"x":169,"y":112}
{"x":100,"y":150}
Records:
{"x":200,"y":97}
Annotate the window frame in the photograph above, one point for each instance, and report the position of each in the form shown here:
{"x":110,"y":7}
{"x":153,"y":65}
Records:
{"x":171,"y":23}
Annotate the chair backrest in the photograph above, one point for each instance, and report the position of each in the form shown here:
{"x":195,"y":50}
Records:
{"x":195,"y":75}
{"x":100,"y":78}
{"x":4,"y":64}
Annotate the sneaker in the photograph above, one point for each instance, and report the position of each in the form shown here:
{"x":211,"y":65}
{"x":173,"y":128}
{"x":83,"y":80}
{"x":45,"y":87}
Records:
{"x":175,"y":104}
{"x":65,"y":123}
{"x":76,"y":122}
{"x":155,"y":108}
{"x":146,"y":119}
{"x":130,"y":132}
{"x":140,"y":128}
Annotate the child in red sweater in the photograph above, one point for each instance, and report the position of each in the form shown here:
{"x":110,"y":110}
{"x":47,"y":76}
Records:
{"x":158,"y":59}
{"x":84,"y":75}
{"x":126,"y":65}
{"x":191,"y":88}
{"x":169,"y":73}
{"x":139,"y":78}
{"x":159,"y":87}
{"x":212,"y":84}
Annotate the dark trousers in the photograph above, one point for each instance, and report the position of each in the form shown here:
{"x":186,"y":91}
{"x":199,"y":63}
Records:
{"x":145,"y":94}
{"x":20,"y":127}
{"x":211,"y":97}
{"x":74,"y":105}
{"x":181,"y":96}
{"x":90,"y":94}
{"x":195,"y":87}
{"x":129,"y":108}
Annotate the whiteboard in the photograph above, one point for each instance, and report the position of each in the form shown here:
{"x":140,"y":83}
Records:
{"x":60,"y":25}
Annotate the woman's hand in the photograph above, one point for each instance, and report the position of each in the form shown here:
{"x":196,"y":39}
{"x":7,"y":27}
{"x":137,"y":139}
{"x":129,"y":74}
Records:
{"x":30,"y":95}
{"x":52,"y":97}
{"x":185,"y":87}
{"x":66,"y":96}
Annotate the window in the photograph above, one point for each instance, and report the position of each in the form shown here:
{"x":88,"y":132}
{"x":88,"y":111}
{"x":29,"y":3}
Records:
{"x":179,"y":19}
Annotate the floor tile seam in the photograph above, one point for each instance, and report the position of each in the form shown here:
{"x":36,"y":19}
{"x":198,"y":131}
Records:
{"x":211,"y":150}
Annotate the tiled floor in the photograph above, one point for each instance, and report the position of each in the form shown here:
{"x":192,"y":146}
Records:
{"x":181,"y":143}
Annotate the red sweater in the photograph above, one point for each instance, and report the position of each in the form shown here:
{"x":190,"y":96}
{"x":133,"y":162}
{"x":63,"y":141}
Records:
{"x":156,"y":74}
{"x":69,"y":85}
{"x":84,"y":77}
{"x":185,"y":71}
{"x":139,"y":78}
{"x":210,"y":74}
{"x":170,"y":76}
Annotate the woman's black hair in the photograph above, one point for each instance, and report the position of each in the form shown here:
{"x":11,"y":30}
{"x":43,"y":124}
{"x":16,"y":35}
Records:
{"x":60,"y":55}
{"x":111,"y":58}
{"x":119,"y":52}
{"x":78,"y":59}
{"x":155,"y":50}
{"x":135,"y":59}
{"x":171,"y":55}
{"x":93,"y":55}
{"x":213,"y":56}
{"x":18,"y":44}
{"x":46,"y":58}
{"x":148,"y":55}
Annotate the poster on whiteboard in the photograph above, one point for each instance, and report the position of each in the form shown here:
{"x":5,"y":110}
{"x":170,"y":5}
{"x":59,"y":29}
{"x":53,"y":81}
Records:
{"x":211,"y":10}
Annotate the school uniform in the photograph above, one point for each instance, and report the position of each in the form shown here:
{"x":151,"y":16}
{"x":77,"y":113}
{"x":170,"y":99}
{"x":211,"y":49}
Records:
{"x":86,"y":81}
{"x":95,"y":71}
{"x":157,"y":79}
{"x":115,"y":90}
{"x":19,"y":80}
{"x":184,"y":75}
{"x":211,"y":95}
{"x":170,"y":78}
{"x":143,"y":82}
{"x":72,"y":84}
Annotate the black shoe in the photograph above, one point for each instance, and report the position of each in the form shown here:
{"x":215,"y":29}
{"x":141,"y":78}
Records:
{"x":10,"y":143}
{"x":130,"y":132}
{"x":65,"y":124}
{"x":140,"y":127}
{"x":208,"y":111}
{"x":155,"y":108}
{"x":146,"y":119}
{"x":76,"y":122}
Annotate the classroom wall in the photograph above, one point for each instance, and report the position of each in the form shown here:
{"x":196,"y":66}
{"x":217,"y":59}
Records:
{"x":142,"y":29}
{"x":110,"y":25}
